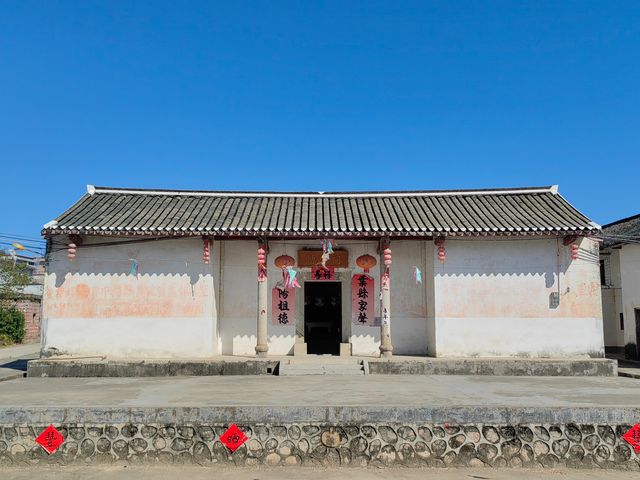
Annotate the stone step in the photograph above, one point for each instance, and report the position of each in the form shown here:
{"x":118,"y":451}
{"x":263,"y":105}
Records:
{"x":291,"y":369}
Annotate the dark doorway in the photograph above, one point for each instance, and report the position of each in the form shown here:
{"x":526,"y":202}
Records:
{"x":323,"y":317}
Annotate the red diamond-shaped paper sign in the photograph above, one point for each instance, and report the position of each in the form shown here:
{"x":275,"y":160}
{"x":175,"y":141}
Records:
{"x":50,"y":439}
{"x":633,"y":437}
{"x":233,"y":438}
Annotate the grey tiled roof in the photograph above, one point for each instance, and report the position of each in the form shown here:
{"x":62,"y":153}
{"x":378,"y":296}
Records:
{"x":530,"y":211}
{"x":622,"y":231}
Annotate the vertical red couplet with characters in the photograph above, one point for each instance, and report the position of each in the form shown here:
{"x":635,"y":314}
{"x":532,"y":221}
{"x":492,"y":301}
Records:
{"x":362,"y":300}
{"x":283,"y":306}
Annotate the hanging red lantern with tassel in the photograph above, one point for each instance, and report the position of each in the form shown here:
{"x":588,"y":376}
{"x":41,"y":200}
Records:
{"x":387,"y":257}
{"x":442,"y":253}
{"x":262,"y":264}
{"x":206,"y":251}
{"x":574,"y":251}
{"x":71,"y":251}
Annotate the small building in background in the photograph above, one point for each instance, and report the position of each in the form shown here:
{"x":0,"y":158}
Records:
{"x":620,"y":279}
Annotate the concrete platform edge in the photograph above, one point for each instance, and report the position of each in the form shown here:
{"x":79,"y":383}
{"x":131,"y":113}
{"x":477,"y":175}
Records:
{"x":600,"y":367}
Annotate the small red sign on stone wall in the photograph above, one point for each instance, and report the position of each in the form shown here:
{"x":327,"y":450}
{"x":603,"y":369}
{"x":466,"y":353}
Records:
{"x":233,"y":438}
{"x":632,"y":437}
{"x":50,"y":439}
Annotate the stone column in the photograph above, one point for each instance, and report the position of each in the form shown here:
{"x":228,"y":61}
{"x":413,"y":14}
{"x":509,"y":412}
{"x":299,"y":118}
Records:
{"x":386,"y":348}
{"x":261,"y":346}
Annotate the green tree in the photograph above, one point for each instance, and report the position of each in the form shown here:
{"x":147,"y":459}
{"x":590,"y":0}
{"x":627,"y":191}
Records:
{"x":13,"y":278}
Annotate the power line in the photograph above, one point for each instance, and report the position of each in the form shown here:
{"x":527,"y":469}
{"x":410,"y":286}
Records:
{"x":21,"y":237}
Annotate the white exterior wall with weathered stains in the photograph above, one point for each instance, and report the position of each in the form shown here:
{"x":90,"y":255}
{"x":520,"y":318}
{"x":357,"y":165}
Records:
{"x":489,"y":298}
{"x":95,"y":305}
{"x":493,"y":298}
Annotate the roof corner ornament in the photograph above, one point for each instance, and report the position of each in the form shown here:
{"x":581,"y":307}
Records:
{"x":91,"y":189}
{"x":554,"y":189}
{"x":51,"y":224}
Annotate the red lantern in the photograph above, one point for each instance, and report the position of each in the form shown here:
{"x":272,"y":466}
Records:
{"x":206,"y":251}
{"x":574,"y":251}
{"x":71,"y":251}
{"x":387,"y":257}
{"x":366,"y":262}
{"x":442,"y":253}
{"x":284,"y":261}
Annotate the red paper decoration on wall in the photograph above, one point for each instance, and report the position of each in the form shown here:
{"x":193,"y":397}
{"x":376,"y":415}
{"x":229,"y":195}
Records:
{"x":632,"y":437}
{"x":50,"y":439}
{"x":233,"y":438}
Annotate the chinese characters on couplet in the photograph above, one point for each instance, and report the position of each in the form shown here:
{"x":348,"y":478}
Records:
{"x":283,"y":306}
{"x":362,"y":300}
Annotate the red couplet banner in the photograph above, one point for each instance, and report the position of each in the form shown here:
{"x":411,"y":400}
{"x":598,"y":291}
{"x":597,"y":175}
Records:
{"x":362,"y":300}
{"x":283,"y":306}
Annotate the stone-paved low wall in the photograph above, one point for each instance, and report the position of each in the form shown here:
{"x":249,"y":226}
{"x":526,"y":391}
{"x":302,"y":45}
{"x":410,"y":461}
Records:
{"x":571,"y":445}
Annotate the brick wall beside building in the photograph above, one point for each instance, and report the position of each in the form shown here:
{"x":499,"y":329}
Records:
{"x":30,"y":308}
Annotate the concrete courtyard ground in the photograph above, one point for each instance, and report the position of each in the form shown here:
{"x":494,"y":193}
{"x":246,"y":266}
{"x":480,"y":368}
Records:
{"x":318,"y":394}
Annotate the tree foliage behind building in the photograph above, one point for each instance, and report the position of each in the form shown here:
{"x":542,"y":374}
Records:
{"x":14,"y":277}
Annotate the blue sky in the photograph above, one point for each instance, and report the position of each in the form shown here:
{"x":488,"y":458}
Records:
{"x":317,"y":96}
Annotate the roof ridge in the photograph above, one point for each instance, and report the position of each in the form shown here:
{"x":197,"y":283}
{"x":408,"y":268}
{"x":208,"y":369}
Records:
{"x":622,"y":220}
{"x":91,"y":190}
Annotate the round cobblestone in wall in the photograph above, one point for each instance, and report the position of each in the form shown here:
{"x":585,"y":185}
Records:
{"x":542,"y":433}
{"x":572,"y":445}
{"x":407,"y":433}
{"x":472,"y":433}
{"x":148,"y":431}
{"x":387,"y":434}
{"x":369,"y":432}
{"x":490,"y":434}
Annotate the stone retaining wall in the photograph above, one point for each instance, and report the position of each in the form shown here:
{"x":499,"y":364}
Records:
{"x":595,"y":367}
{"x":532,"y":445}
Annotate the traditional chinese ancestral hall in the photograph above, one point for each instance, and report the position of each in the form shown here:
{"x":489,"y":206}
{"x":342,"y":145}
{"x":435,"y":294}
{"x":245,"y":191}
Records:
{"x":194,"y":274}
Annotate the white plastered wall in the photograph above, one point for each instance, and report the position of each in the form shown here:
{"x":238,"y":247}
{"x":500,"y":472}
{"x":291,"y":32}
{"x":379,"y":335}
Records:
{"x":630,"y":281}
{"x":612,"y":299}
{"x":493,"y":298}
{"x":95,"y":305}
{"x":239,"y":298}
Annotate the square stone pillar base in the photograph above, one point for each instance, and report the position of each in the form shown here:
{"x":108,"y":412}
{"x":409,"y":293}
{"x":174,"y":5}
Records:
{"x":299,"y":349}
{"x":345,"y":349}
